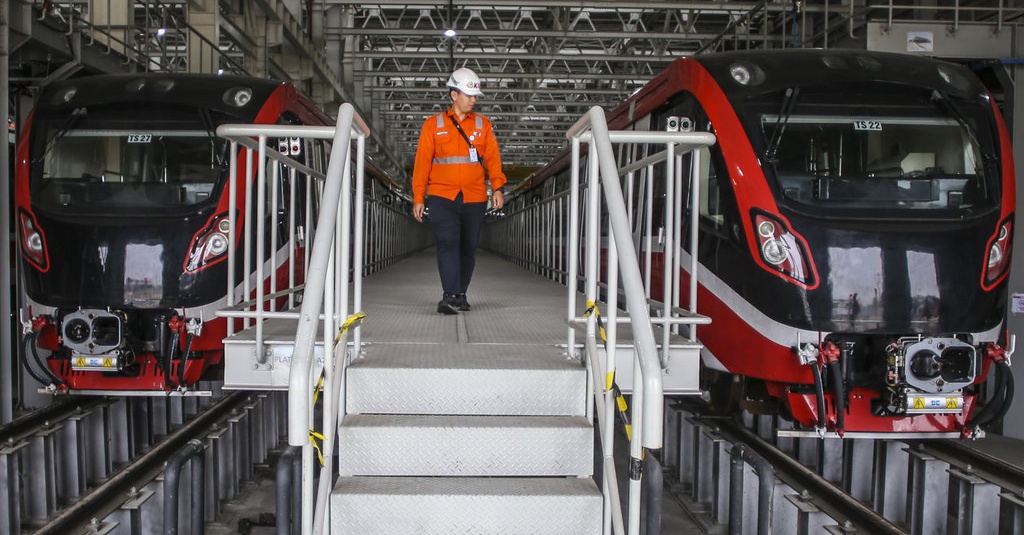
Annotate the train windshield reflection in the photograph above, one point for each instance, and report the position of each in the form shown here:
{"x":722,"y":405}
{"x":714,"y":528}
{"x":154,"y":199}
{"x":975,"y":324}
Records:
{"x":93,"y":171}
{"x":877,"y":161}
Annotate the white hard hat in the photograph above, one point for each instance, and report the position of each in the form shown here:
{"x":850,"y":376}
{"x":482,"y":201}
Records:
{"x":465,"y":81}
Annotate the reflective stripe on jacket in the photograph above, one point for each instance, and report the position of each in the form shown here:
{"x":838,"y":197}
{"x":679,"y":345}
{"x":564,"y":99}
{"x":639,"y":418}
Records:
{"x":443,"y":166}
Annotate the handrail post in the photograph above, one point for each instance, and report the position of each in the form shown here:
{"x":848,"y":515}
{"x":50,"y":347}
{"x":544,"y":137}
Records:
{"x":603,"y":178}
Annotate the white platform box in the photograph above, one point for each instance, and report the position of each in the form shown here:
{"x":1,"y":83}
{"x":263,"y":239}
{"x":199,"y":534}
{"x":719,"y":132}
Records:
{"x":247,"y":367}
{"x":680,"y":377}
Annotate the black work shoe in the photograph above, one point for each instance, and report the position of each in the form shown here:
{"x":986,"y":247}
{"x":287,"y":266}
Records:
{"x":461,"y":303}
{"x":447,"y":305}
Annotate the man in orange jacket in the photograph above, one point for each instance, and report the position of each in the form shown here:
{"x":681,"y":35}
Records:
{"x":457,"y":155}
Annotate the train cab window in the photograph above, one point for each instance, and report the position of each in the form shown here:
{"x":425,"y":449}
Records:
{"x":896,"y":156}
{"x":119,"y":166}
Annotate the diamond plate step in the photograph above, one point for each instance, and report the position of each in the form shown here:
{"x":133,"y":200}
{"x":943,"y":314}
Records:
{"x":418,"y":445}
{"x":465,"y":379}
{"x":478,"y":506}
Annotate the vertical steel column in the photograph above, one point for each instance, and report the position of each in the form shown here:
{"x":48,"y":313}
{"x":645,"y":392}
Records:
{"x":175,"y":410}
{"x":929,"y":486}
{"x":215,"y":483}
{"x":807,"y":451}
{"x":259,"y":430}
{"x":10,"y":489}
{"x":831,"y":449}
{"x":669,"y":451}
{"x":1011,"y":513}
{"x":686,"y":462}
{"x":141,"y":422}
{"x":703,"y":484}
{"x":890,"y":484}
{"x":810,"y":520}
{"x":233,"y":453}
{"x":116,"y":433}
{"x":786,"y":444}
{"x":98,"y":463}
{"x":131,"y":511}
{"x":857,"y":454}
{"x":40,"y":460}
{"x":721,"y":478}
{"x":158,"y":416}
{"x":976,"y":509}
{"x":71,"y":444}
{"x":245,"y":446}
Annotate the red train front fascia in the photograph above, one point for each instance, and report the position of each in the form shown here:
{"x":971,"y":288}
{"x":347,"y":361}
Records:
{"x":888,"y":285}
{"x":122,"y":204}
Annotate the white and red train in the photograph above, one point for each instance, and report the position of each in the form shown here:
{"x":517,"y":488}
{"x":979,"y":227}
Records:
{"x":121,"y":206}
{"x":856,"y":220}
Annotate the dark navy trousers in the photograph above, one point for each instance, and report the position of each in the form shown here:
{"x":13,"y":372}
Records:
{"x":456,"y":227}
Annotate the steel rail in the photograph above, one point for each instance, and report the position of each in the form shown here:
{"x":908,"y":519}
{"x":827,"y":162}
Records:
{"x":108,"y":496}
{"x":29,"y":423}
{"x":831,"y":499}
{"x":958,"y":453}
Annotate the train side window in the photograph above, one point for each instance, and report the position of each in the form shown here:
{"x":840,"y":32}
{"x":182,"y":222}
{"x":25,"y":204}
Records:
{"x":709,"y":192}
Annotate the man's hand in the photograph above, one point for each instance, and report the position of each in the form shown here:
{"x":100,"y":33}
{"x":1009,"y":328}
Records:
{"x":498,"y":200}
{"x":417,"y":211}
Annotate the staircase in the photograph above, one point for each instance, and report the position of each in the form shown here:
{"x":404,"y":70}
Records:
{"x":466,"y":438}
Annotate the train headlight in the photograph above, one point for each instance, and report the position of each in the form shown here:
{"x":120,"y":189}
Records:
{"x":997,"y":261}
{"x":775,"y":251}
{"x":33,"y":242}
{"x":746,"y":74}
{"x":740,"y":73}
{"x":218,"y":244}
{"x":238,"y":96}
{"x":784,"y":252}
{"x":209,"y":245}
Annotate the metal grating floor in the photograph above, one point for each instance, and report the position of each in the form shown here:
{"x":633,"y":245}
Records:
{"x":510,"y":305}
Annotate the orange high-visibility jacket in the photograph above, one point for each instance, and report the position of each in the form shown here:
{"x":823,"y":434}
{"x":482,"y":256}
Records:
{"x":443,"y":167}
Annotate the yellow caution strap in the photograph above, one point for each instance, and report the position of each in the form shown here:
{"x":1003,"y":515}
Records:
{"x":354,"y":319}
{"x":620,"y":403}
{"x":313,"y":437}
{"x":316,"y":389}
{"x":592,"y":308}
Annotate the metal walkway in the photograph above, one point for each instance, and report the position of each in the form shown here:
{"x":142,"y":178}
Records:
{"x":511,"y":307}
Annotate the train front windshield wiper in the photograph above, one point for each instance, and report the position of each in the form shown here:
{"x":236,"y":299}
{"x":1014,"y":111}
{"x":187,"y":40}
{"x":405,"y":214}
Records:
{"x":76,"y":115}
{"x":788,"y":102}
{"x":941,"y":99}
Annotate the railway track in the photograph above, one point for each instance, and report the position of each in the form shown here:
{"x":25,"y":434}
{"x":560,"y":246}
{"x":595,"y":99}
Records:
{"x":739,"y":477}
{"x":105,"y":464}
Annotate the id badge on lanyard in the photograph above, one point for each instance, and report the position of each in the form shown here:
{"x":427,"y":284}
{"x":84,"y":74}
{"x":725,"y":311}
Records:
{"x":472,"y":155}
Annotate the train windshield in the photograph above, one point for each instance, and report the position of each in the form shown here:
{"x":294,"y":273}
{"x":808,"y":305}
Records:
{"x":883,"y":157}
{"x":140,"y":169}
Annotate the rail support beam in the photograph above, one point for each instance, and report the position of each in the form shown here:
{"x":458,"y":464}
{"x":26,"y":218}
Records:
{"x":810,"y":518}
{"x":929,"y":485}
{"x":976,"y":509}
{"x":890,"y":485}
{"x":1011,"y":513}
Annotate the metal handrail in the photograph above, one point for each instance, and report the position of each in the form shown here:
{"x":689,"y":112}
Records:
{"x":326,"y":290}
{"x":648,"y":394}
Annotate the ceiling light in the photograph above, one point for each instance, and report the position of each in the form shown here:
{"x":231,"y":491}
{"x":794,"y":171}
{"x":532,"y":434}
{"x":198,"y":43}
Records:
{"x":450,"y":33}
